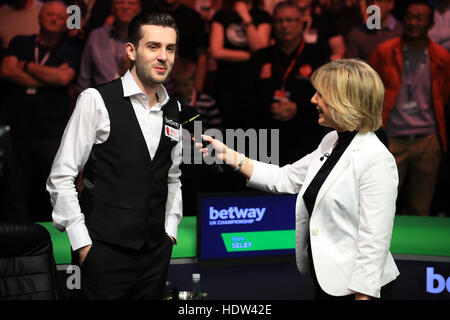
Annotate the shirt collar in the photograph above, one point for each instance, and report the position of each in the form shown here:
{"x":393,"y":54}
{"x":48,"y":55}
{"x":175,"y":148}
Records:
{"x":130,"y":88}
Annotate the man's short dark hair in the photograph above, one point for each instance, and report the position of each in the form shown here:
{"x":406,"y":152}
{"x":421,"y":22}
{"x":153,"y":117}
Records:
{"x":285,"y":4}
{"x":428,"y":3}
{"x":152,"y":18}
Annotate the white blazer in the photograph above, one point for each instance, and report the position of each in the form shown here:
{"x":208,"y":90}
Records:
{"x":353,"y":216}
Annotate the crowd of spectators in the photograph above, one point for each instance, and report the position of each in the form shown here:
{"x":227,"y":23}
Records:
{"x":241,"y":64}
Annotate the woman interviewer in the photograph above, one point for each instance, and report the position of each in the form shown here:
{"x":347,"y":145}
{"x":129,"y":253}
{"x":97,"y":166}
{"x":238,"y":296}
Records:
{"x":346,"y":188}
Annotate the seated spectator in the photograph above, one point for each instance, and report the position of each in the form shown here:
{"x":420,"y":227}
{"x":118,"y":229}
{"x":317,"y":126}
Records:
{"x":18,"y":18}
{"x":362,"y":41}
{"x":104,"y":55}
{"x":38,"y":69}
{"x":320,"y":30}
{"x":238,"y":29}
{"x":282,"y":87}
{"x":440,"y":32}
{"x":415,"y":73}
{"x":183,"y":80}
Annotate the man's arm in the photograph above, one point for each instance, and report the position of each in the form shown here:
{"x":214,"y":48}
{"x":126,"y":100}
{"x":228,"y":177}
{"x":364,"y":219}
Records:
{"x":11,"y":69}
{"x":174,"y":204}
{"x":54,"y":76}
{"x":87,"y":125}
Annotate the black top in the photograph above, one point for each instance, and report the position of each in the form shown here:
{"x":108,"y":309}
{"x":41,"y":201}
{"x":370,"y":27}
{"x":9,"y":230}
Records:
{"x":235,"y":38}
{"x":310,"y":194}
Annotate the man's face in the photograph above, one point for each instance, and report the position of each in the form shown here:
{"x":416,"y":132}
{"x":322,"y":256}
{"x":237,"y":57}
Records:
{"x":385,"y":6}
{"x":417,"y":21}
{"x":287,"y":24}
{"x":155,"y":54}
{"x":125,"y":10}
{"x":53,"y":17}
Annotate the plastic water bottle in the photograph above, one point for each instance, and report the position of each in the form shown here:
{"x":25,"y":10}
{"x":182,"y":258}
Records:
{"x":196,"y":288}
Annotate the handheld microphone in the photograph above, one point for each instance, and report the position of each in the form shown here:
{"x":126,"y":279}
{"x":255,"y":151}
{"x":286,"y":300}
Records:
{"x":325,"y":155}
{"x":188,"y":115}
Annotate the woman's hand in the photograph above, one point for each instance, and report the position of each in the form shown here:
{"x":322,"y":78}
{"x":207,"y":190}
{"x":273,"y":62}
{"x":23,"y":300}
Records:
{"x":361,"y":296}
{"x":220,"y":149}
{"x":226,"y":155}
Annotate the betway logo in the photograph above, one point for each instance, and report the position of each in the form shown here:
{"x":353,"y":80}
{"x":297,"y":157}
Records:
{"x":235,"y":215}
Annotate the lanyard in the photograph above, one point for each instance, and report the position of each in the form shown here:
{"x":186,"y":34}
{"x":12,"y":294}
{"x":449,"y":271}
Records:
{"x":36,"y":55}
{"x":291,"y":65}
{"x":409,"y":87}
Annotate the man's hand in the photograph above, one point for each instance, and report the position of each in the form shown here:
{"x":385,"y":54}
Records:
{"x":283,"y":110}
{"x":83,"y":252}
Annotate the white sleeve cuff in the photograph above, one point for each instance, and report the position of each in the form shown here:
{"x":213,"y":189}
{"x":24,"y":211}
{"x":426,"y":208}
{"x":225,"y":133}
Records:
{"x":78,"y":236}
{"x":172,"y":226}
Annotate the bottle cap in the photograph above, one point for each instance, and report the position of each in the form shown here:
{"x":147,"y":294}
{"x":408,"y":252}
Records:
{"x":196,"y":276}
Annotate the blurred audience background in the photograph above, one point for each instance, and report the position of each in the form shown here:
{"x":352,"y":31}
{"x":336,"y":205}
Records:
{"x":241,"y":64}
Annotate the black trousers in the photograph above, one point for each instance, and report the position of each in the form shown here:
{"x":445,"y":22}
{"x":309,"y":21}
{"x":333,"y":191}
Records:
{"x":110,"y":272}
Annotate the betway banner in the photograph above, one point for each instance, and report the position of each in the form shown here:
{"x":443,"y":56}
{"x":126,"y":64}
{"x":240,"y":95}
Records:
{"x":246,"y":225}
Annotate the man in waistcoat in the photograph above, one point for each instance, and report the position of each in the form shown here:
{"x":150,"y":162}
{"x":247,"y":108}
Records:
{"x":126,"y":136}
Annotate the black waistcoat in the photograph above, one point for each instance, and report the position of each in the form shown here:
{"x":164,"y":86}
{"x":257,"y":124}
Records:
{"x":125,"y":192}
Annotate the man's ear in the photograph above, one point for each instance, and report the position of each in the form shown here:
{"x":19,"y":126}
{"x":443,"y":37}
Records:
{"x":131,"y":51}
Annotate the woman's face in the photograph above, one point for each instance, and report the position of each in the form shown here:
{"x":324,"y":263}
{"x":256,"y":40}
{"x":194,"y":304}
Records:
{"x":325,"y":118}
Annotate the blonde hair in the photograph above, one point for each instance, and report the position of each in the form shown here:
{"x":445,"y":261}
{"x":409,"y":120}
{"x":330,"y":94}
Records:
{"x":353,"y":92}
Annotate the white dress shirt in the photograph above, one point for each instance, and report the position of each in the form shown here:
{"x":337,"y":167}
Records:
{"x":89,"y":125}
